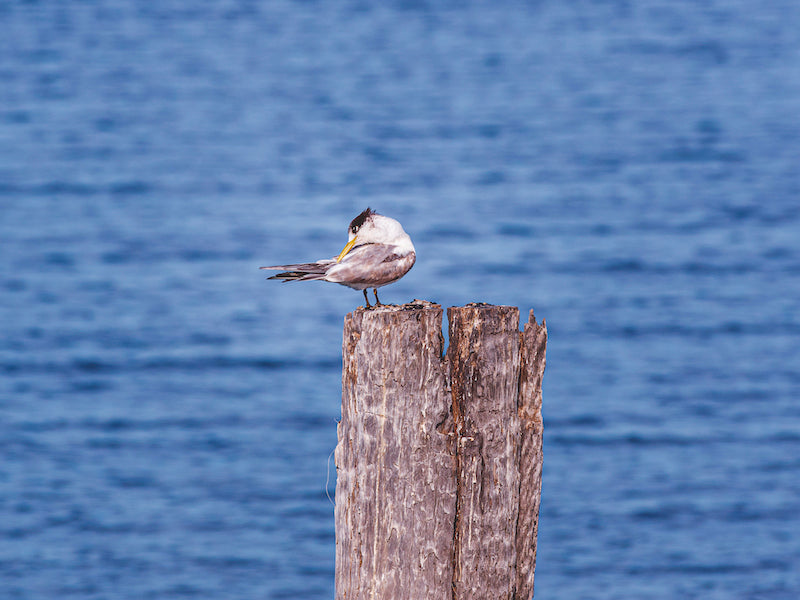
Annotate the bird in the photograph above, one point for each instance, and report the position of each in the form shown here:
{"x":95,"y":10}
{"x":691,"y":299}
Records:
{"x":378,"y":252}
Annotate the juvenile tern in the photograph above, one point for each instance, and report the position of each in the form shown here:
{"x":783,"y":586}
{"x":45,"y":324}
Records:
{"x":378,"y":252}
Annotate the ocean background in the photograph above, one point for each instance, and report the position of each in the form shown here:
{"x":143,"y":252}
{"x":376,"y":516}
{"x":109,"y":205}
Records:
{"x":629,"y":170}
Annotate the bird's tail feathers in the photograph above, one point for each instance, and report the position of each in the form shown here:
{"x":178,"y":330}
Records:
{"x":296,"y":276}
{"x":301,"y":272}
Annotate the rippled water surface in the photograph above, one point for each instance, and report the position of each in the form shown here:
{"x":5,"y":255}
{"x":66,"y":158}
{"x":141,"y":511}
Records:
{"x":628,"y":170}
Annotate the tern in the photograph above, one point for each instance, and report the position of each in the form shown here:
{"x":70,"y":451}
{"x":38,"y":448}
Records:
{"x":378,"y":252}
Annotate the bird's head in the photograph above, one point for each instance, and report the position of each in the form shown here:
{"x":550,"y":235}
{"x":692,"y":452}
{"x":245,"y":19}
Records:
{"x":371,"y":228}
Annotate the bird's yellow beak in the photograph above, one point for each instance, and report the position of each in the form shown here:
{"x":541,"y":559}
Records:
{"x":346,"y":249}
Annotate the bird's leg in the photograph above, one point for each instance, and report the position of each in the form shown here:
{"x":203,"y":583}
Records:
{"x":366,"y":299}
{"x":377,"y":301}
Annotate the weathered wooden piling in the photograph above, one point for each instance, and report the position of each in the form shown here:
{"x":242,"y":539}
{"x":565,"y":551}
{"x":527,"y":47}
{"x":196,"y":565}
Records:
{"x":439,"y":456}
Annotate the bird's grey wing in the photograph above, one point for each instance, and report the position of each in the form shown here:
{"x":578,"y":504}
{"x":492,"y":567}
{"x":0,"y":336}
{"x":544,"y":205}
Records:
{"x":372,"y":265}
{"x":301,"y":271}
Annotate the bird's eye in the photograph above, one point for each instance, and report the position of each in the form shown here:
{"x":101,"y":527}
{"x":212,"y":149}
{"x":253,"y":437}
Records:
{"x":355,"y":229}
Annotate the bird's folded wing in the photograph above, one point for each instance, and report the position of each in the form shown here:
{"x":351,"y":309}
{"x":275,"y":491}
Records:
{"x":373,"y":264}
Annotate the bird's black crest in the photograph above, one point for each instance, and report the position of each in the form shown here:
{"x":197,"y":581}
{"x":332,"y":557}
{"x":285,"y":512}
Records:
{"x":356,"y":223}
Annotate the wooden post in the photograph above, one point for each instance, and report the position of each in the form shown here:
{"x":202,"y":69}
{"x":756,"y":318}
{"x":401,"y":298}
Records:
{"x":439,"y":457}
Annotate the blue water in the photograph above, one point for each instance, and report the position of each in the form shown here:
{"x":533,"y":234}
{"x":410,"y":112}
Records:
{"x":627,"y":169}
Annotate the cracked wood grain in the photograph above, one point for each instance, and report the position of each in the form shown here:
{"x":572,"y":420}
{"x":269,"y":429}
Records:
{"x":439,"y":457}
